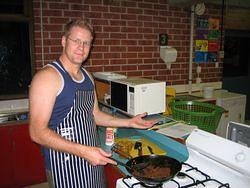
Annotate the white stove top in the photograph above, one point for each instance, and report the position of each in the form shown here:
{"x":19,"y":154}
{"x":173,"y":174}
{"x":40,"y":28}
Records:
{"x":221,"y":160}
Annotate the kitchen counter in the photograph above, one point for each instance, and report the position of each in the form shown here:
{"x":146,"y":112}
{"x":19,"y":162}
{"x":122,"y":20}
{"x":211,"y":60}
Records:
{"x":217,"y":94}
{"x":195,"y":96}
{"x":13,"y":118}
{"x":173,"y":148}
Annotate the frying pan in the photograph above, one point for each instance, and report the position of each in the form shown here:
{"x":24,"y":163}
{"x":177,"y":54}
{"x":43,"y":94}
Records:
{"x":156,"y":168}
{"x":159,"y":168}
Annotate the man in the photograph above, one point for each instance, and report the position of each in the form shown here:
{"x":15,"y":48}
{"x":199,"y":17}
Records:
{"x":64,"y":113}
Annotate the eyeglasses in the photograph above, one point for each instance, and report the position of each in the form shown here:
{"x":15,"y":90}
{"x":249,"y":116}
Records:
{"x":80,"y":43}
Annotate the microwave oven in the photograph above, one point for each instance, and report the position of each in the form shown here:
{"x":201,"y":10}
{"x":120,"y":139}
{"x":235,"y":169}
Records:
{"x":138,"y":95}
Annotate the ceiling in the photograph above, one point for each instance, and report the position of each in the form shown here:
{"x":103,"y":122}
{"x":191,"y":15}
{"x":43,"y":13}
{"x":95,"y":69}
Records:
{"x":189,"y":3}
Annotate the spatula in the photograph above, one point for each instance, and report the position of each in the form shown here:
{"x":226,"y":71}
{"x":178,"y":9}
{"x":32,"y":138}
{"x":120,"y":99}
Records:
{"x":150,"y":150}
{"x":138,"y":145}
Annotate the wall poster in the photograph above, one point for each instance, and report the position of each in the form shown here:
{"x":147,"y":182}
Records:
{"x":207,"y":39}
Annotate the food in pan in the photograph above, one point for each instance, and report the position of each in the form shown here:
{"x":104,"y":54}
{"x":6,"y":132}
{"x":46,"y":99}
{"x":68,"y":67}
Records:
{"x":153,"y":172}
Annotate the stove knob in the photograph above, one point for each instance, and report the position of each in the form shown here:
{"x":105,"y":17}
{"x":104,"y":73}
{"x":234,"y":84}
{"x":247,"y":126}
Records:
{"x":239,"y":157}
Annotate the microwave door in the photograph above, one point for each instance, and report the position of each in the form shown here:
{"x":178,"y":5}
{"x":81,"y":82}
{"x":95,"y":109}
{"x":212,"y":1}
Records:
{"x":119,"y":96}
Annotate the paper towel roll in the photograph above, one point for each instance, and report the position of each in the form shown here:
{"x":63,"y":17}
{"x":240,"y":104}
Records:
{"x":168,"y":55}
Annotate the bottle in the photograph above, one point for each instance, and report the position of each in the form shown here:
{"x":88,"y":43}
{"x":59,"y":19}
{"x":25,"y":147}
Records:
{"x":110,"y":136}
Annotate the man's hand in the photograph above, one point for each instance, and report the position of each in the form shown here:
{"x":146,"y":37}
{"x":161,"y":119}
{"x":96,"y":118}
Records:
{"x":96,"y":156}
{"x":138,"y":122}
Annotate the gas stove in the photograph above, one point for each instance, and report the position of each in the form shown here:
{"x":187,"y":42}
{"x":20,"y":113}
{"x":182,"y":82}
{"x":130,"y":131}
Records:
{"x":213,"y":162}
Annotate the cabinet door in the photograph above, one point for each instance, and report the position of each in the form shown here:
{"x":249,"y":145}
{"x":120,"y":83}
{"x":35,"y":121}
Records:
{"x":6,"y":172}
{"x":112,"y":174}
{"x":27,"y":159}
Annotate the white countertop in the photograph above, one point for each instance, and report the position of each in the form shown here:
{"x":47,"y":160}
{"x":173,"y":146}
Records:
{"x":221,"y":93}
{"x":14,"y":106}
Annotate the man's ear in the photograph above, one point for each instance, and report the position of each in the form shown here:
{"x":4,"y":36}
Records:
{"x":63,"y":41}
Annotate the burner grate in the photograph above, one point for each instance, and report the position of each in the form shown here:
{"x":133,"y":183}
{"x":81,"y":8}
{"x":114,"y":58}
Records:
{"x":188,"y":175}
{"x":197,"y":170}
{"x":204,"y":182}
{"x":220,"y":185}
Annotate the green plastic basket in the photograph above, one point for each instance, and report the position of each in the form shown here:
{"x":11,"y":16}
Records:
{"x":204,"y":115}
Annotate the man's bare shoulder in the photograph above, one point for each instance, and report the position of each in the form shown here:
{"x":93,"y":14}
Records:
{"x":47,"y":73}
{"x":47,"y":77}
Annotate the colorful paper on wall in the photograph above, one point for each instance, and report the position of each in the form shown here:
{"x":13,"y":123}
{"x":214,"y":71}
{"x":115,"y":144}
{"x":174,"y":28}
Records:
{"x":202,"y":23}
{"x":213,"y":24}
{"x":200,"y":57}
{"x":213,"y":46}
{"x":213,"y":34}
{"x":207,"y":36}
{"x":201,"y":34}
{"x":201,"y":45}
{"x":212,"y":57}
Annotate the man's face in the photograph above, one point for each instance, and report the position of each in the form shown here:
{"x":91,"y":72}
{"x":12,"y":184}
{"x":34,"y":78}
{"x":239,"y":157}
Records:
{"x":77,"y":45}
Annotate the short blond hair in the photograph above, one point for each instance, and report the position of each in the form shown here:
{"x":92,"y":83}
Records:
{"x":83,"y":23}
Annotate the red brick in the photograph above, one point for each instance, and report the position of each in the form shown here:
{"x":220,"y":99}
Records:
{"x":94,"y":69}
{"x":128,"y":42}
{"x":112,"y":55}
{"x":111,"y":16}
{"x":128,"y":4}
{"x":128,"y":16}
{"x":134,"y":11}
{"x":117,"y":48}
{"x":118,"y":61}
{"x":112,"y":42}
{"x":118,"y":35}
{"x":134,"y":61}
{"x":129,"y":67}
{"x":134,"y":74}
{"x":99,"y":62}
{"x":111,"y":29}
{"x":98,"y":8}
{"x":145,"y":5}
{"x":58,"y":6}
{"x":96,"y":55}
{"x":129,"y":55}
{"x":144,"y":67}
{"x":134,"y":48}
{"x":126,"y":37}
{"x":118,"y":9}
{"x":145,"y":55}
{"x":149,"y":73}
{"x":112,"y":68}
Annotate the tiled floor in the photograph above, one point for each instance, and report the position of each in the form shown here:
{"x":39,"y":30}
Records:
{"x":41,"y":185}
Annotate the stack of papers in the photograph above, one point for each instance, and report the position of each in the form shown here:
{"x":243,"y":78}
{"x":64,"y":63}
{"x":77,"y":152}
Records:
{"x":178,"y":130}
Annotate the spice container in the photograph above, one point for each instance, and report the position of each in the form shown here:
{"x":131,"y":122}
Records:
{"x":110,"y":136}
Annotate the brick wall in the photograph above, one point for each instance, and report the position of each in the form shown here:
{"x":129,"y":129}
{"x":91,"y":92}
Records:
{"x":127,"y":34}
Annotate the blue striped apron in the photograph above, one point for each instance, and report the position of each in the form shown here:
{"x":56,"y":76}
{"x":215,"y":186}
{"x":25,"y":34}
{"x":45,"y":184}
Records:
{"x":69,"y":171}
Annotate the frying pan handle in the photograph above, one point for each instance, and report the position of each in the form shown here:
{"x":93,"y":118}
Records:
{"x":119,"y":162}
{"x":121,"y":153}
{"x":132,"y":168}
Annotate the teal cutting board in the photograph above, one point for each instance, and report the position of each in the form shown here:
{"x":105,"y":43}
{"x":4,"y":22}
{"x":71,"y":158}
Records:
{"x":173,"y":148}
